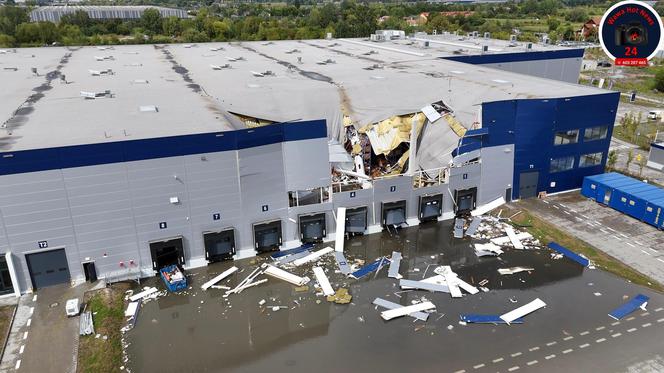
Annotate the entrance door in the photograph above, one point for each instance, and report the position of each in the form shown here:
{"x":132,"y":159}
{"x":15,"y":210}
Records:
{"x":168,"y":252}
{"x":607,"y":196}
{"x":90,"y":271}
{"x":6,"y":286}
{"x":528,"y":184}
{"x":48,"y":268}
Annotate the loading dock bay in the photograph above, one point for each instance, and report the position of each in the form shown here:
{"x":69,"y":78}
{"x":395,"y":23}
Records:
{"x":48,"y":268}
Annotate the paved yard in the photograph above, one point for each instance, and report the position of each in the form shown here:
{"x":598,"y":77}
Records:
{"x":633,"y":242}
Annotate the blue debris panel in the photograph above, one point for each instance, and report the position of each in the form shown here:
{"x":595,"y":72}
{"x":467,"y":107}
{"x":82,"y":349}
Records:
{"x":382,"y":261}
{"x":296,"y":250}
{"x":486,"y":319}
{"x":629,"y":307}
{"x":569,"y":254}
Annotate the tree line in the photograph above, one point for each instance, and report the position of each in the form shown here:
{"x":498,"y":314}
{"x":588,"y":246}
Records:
{"x":295,"y":20}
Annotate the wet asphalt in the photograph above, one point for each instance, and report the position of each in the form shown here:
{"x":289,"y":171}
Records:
{"x":201,"y":331}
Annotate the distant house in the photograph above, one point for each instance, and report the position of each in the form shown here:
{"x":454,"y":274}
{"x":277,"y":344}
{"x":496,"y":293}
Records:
{"x":464,"y":13}
{"x":418,"y":20}
{"x":589,"y":28}
{"x":383,"y":19}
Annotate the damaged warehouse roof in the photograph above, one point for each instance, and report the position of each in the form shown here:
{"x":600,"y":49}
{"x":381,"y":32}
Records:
{"x":106,"y":94}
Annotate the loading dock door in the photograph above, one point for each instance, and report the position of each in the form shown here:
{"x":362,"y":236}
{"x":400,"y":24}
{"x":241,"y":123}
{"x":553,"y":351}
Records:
{"x":267,"y":236}
{"x":528,"y":184}
{"x":394,"y":213}
{"x":312,"y":228}
{"x":48,"y":268}
{"x":219,"y":245}
{"x":356,"y":220}
{"x":168,"y":252}
{"x":431,"y":207}
{"x":465,"y":200}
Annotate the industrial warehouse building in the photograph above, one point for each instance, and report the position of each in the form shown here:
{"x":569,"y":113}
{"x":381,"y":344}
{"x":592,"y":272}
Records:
{"x":117,"y":161}
{"x":53,"y":13}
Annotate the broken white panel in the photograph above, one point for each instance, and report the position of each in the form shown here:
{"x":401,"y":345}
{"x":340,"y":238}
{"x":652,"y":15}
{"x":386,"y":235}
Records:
{"x":131,"y":309}
{"x":293,"y":257}
{"x":341,"y":230}
{"x":423,"y":316}
{"x":143,"y":294}
{"x":505,"y":239}
{"x":488,"y":207}
{"x":393,"y":271}
{"x":286,"y":276}
{"x":218,"y":278}
{"x":313,"y":256}
{"x":431,"y":113}
{"x":424,"y":285}
{"x":523,"y":310}
{"x":472,"y":228}
{"x":403,"y":311}
{"x":342,"y":263}
{"x":487,"y":249}
{"x":513,"y":270}
{"x":515,"y":241}
{"x":470,"y":289}
{"x":452,"y":285}
{"x":323,"y":281}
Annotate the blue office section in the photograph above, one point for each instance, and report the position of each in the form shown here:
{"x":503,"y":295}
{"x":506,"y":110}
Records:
{"x":628,"y":195}
{"x":135,"y":150}
{"x":531,"y":125}
{"x":481,"y":59}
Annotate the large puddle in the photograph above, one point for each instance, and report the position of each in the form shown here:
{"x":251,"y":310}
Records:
{"x":200,"y":331}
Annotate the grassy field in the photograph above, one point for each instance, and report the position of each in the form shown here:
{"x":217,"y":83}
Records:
{"x":97,"y":354}
{"x":546,"y":233}
{"x":6,"y":314}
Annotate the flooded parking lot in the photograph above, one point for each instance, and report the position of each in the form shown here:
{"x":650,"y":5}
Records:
{"x":201,"y":331}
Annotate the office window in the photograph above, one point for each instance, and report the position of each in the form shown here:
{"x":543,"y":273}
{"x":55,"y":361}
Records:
{"x":562,"y":164}
{"x":595,"y":133}
{"x":566,"y":137}
{"x":592,"y":159}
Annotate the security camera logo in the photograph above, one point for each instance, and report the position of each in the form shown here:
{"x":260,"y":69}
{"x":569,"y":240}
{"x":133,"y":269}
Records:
{"x":631,"y":33}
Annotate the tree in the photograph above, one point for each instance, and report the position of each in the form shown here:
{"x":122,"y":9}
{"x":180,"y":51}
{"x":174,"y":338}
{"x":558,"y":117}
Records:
{"x":630,"y":158}
{"x":611,"y":161}
{"x":11,"y":17}
{"x":577,"y":15}
{"x":659,"y":79}
{"x":553,"y":23}
{"x":151,"y":21}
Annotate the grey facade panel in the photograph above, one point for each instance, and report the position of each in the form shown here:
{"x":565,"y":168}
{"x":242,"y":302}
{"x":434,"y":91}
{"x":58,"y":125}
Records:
{"x":656,"y":155}
{"x":497,"y":168}
{"x":563,"y":69}
{"x":306,"y":167}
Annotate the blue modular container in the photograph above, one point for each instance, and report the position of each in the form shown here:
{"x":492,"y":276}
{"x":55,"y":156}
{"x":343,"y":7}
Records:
{"x":630,"y":196}
{"x":173,"y":285}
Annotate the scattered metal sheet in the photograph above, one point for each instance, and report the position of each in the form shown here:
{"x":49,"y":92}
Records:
{"x":513,"y":238}
{"x":472,"y":228}
{"x":323,"y":281}
{"x":486,"y":319}
{"x":450,"y":278}
{"x":488,"y":207}
{"x":522,"y":311}
{"x":218,"y":278}
{"x":286,"y":276}
{"x":86,"y":324}
{"x":423,"y":316}
{"x":504,"y":239}
{"x":368,"y":268}
{"x":132,"y":307}
{"x":340,"y":234}
{"x":487,"y":249}
{"x":292,"y":258}
{"x":513,"y":270}
{"x":403,"y":311}
{"x":635,"y":303}
{"x":422,"y":285}
{"x":466,"y":286}
{"x":313,"y":256}
{"x":458,"y":227}
{"x":342,"y":263}
{"x":143,"y":294}
{"x":393,"y":271}
{"x":568,"y":253}
{"x":296,"y":250}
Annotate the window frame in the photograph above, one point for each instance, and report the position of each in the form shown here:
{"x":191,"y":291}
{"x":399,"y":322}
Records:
{"x":602,"y":133}
{"x":562,"y":134}
{"x":558,"y":161}
{"x":591,"y":156}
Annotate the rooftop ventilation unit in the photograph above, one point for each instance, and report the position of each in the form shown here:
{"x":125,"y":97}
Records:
{"x":529,"y":46}
{"x":217,"y":49}
{"x":487,"y":35}
{"x":513,"y":38}
{"x":140,"y":81}
{"x":148,"y":109}
{"x":94,"y":95}
{"x":104,"y":58}
{"x":485,"y":49}
{"x":101,"y":72}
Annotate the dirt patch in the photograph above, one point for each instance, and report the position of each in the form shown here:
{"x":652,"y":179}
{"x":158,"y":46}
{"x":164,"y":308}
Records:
{"x":104,"y":353}
{"x":6,"y":315}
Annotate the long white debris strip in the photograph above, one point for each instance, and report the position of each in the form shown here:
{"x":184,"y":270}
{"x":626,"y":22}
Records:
{"x":393,"y":271}
{"x":403,"y":311}
{"x":423,"y":316}
{"x":286,"y":276}
{"x":513,"y":238}
{"x":453,"y":285}
{"x":131,"y":309}
{"x":487,"y":249}
{"x":323,"y":281}
{"x":143,"y":294}
{"x":504,"y":239}
{"x":313,"y":256}
{"x":341,"y":230}
{"x":430,"y":284}
{"x":523,"y":310}
{"x":513,"y":270}
{"x":488,"y":207}
{"x":218,"y":278}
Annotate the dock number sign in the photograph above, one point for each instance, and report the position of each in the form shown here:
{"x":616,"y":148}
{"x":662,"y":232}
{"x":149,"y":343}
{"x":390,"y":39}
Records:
{"x":42,"y":244}
{"x":631,"y":33}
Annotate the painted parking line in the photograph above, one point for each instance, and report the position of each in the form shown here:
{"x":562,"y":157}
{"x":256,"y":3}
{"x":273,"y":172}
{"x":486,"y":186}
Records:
{"x":547,"y":202}
{"x":611,"y":229}
{"x":617,"y":238}
{"x":567,"y":212}
{"x":660,"y":259}
{"x":34,"y":298}
{"x":516,"y":354}
{"x":638,"y":243}
{"x":29,"y":322}
{"x":498,"y":360}
{"x":630,"y":318}
{"x":645,"y":314}
{"x":631,"y":330}
{"x":20,"y":350}
{"x":533,"y":348}
{"x":660,"y":320}
{"x":25,"y":335}
{"x":646,"y":325}
{"x":18,"y":365}
{"x":600,"y":340}
{"x":551,"y":343}
{"x":568,"y":351}
{"x":556,"y":207}
{"x":659,"y":309}
{"x":32,"y":310}
{"x":604,"y":231}
{"x":624,"y":235}
{"x":645,"y":252}
{"x":478,"y":366}
{"x":461,"y":371}
{"x":549,"y":357}
{"x":512,"y":369}
{"x":653,"y":250}
{"x":532,"y":362}
{"x":629,"y":244}
{"x":568,"y":338}
{"x":584,"y":333}
{"x":600,"y":328}
{"x":585,"y":217}
{"x":616,"y":335}
{"x":584,"y":345}
{"x":615,"y":323}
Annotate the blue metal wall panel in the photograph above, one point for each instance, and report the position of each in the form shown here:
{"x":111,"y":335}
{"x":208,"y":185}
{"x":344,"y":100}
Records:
{"x":482,"y":59}
{"x":137,"y":150}
{"x":530,"y":124}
